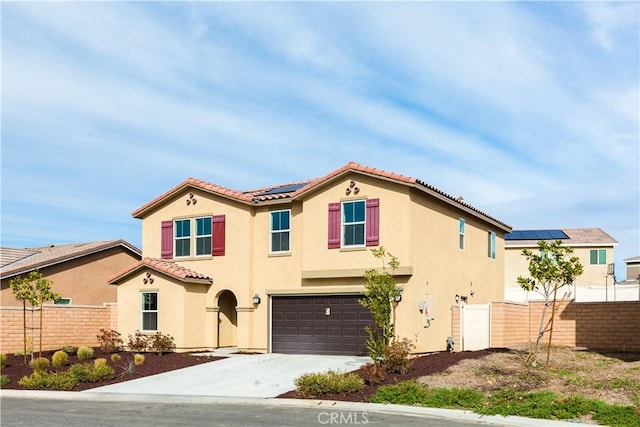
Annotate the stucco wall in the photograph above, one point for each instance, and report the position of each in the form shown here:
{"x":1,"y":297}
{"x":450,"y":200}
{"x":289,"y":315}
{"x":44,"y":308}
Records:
{"x":517,"y":265}
{"x":62,"y":325}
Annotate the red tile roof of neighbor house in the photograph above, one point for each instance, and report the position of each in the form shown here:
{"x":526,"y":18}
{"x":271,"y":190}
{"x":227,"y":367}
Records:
{"x":299,"y":189}
{"x":15,"y":261}
{"x":166,"y":267}
{"x":577,"y":237}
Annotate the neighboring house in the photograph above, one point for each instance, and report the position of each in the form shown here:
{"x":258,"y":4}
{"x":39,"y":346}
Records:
{"x":79,"y":271}
{"x":281,"y":268}
{"x":592,"y":246}
{"x":633,"y":271}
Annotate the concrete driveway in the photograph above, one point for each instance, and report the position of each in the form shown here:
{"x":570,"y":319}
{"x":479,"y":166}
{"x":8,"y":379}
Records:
{"x":246,"y":375}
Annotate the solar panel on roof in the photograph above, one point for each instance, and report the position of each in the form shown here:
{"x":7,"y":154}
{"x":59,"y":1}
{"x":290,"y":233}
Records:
{"x":285,"y":189}
{"x":536,"y":235}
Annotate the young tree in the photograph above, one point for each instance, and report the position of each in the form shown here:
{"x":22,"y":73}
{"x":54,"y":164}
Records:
{"x":35,"y":290}
{"x":379,"y":299}
{"x":550,"y":269}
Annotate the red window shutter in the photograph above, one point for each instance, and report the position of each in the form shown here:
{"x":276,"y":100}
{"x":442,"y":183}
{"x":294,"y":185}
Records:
{"x":217,"y":247}
{"x":166,"y":245}
{"x":334,"y":225}
{"x":373,"y":222}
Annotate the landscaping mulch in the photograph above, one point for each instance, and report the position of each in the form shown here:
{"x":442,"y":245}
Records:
{"x":153,"y":364}
{"x":424,"y":365}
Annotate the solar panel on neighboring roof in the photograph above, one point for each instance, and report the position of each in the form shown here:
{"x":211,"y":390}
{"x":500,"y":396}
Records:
{"x":536,"y":235}
{"x":284,"y":189}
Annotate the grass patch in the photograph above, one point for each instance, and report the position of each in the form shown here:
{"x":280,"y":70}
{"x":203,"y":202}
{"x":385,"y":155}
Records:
{"x":540,"y":404}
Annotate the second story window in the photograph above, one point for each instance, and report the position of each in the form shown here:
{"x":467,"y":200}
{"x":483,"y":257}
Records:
{"x":203,"y":236}
{"x":280,"y":231}
{"x":461,"y":233}
{"x":182,"y":237}
{"x":353,"y":222}
{"x":597,"y":256}
{"x":491,"y":245}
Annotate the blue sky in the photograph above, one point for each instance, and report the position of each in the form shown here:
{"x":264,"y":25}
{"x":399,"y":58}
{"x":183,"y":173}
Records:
{"x":528,"y":110}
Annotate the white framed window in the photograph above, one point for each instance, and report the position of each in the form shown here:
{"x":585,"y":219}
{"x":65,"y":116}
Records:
{"x":182,"y":237}
{"x":353,"y":223}
{"x":461,"y":224}
{"x":203,"y":236}
{"x":598,"y":256}
{"x":149,"y":311}
{"x":280,"y":231}
{"x":491,"y":245}
{"x":62,"y":301}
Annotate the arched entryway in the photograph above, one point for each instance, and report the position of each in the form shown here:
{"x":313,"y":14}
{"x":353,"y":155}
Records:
{"x":227,"y":319}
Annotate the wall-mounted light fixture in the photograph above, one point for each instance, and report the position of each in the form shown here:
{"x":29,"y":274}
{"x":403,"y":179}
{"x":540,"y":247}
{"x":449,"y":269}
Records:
{"x":472,"y":292}
{"x":398,"y":297}
{"x":256,"y":299}
{"x":457,"y":298}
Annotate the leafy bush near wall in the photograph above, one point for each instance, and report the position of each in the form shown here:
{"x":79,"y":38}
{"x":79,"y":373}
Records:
{"x":110,"y":340}
{"x":39,"y":364}
{"x":85,"y":353}
{"x":59,"y":359}
{"x":137,"y":343}
{"x":161,"y":343}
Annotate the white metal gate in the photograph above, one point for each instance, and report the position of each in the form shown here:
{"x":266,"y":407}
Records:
{"x":476,"y":326}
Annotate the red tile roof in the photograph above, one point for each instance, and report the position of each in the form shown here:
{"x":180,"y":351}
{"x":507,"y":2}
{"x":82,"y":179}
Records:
{"x":169,"y":268}
{"x":258,"y":196}
{"x":19,"y":261}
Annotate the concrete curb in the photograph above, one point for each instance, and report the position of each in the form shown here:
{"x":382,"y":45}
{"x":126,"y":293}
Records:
{"x":447,"y":414}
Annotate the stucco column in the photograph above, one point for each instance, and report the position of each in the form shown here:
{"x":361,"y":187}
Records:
{"x":245,"y":327}
{"x":211,"y":326}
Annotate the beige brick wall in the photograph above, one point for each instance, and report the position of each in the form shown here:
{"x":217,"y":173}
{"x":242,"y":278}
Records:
{"x":72,"y":325}
{"x":595,"y":325}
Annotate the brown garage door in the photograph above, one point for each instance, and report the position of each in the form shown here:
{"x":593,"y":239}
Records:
{"x":319,"y":325}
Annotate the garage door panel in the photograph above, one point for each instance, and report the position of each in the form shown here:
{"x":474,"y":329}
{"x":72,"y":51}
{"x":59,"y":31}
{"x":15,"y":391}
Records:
{"x":300,"y":324}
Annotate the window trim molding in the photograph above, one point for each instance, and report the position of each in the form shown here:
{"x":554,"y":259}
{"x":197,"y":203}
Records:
{"x":196,"y":237}
{"x":492,"y":252}
{"x":363,"y":223}
{"x":143,"y":311}
{"x":272,"y":232}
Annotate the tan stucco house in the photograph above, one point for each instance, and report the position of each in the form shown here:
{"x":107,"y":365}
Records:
{"x":280,"y":268}
{"x":79,"y":271}
{"x":593,"y":246}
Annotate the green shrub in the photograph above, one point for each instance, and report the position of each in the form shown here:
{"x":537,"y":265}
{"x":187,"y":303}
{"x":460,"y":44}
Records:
{"x":115,"y":357}
{"x":39,"y":364}
{"x":137,"y":343}
{"x":403,"y":393}
{"x":69,"y":349}
{"x":3,"y":360}
{"x":59,"y":359}
{"x":101,"y":361}
{"x":138,"y":359}
{"x":330,"y":382}
{"x":48,"y":380}
{"x":396,"y":356}
{"x":4,"y":380}
{"x":110,"y":340}
{"x":85,"y":353}
{"x":161,"y":343}
{"x":88,"y":373}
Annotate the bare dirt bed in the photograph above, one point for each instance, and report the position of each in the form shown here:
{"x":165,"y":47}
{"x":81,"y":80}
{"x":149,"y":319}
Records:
{"x":153,"y":364}
{"x":421,"y":366}
{"x":606,"y":376}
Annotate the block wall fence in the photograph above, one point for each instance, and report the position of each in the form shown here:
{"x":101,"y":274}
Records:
{"x":70,"y":325}
{"x":613,"y":326}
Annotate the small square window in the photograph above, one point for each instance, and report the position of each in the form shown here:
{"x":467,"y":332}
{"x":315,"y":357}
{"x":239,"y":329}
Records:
{"x":598,"y":256}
